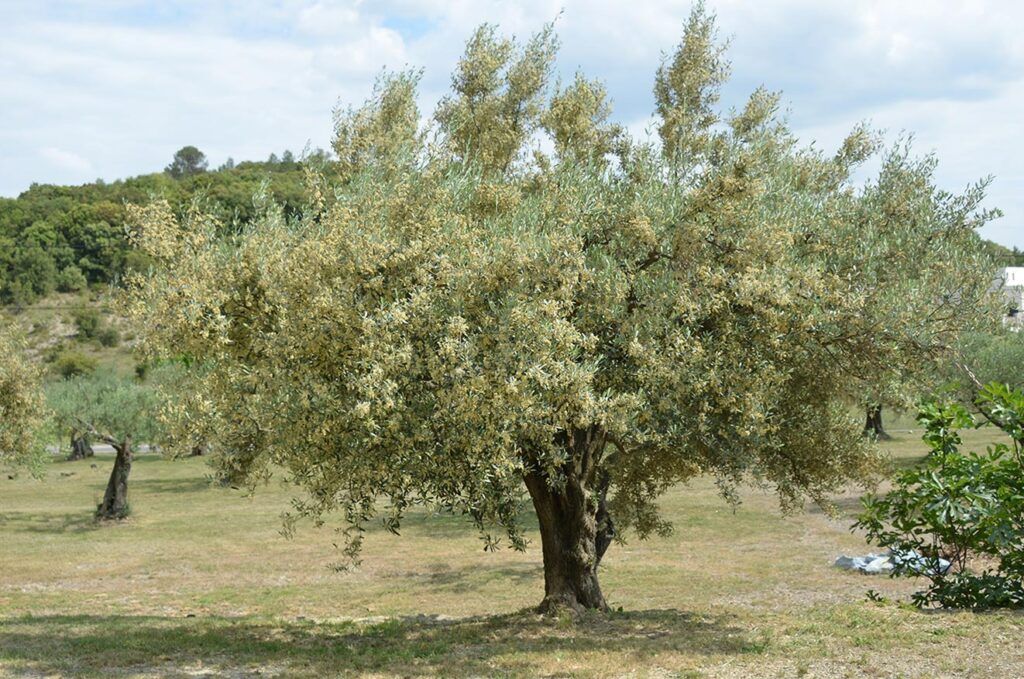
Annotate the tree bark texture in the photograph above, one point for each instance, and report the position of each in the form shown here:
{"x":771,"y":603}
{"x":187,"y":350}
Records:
{"x":115,"y":499}
{"x":575,"y":524}
{"x":81,"y":448}
{"x":568,"y":518}
{"x":873,"y":424}
{"x":605,"y":526}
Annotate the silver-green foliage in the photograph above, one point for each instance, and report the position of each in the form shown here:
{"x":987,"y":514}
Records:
{"x":22,"y":408}
{"x":111,"y":408}
{"x":994,"y":357}
{"x":463,"y":310}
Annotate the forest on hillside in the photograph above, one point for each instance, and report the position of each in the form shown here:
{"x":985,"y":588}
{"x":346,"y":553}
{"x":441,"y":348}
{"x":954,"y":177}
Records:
{"x":65,"y":238}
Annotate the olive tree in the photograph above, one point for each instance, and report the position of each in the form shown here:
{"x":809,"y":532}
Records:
{"x":465,"y":320}
{"x":996,"y":356}
{"x":22,"y":409}
{"x":117,"y":411}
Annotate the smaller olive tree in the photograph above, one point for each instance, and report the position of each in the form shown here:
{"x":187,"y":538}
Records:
{"x":21,"y":404}
{"x":117,"y":411}
{"x":996,"y":356}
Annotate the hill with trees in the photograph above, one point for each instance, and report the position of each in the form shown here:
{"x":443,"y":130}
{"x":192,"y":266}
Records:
{"x":64,"y":238}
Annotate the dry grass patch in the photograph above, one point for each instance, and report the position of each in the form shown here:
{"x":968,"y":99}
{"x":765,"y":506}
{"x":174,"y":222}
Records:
{"x":199,"y":582}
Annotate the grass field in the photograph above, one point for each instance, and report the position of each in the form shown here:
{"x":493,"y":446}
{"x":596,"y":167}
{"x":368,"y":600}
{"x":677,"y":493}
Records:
{"x":199,"y":582}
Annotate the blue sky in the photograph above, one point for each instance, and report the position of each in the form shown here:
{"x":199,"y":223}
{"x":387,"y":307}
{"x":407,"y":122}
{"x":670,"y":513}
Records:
{"x":111,"y":88}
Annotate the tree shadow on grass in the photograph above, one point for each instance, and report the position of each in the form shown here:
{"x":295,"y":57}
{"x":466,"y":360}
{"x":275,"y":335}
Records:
{"x":49,"y":522}
{"x":903,"y":463}
{"x":518,"y":644}
{"x":848,"y":507}
{"x":187,"y":485}
{"x":447,"y":524}
{"x":442,"y":577}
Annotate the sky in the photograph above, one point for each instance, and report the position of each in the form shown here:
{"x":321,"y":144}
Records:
{"x":111,"y":88}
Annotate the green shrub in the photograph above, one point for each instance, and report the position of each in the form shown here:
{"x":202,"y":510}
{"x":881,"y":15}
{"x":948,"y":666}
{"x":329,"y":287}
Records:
{"x":21,"y":294}
{"x":88,"y":323}
{"x":136,"y":262}
{"x":967,"y":508}
{"x":141,"y":371}
{"x":109,"y":336}
{"x":73,"y":363}
{"x":54,"y":351}
{"x":35,"y":274}
{"x":71,"y":279}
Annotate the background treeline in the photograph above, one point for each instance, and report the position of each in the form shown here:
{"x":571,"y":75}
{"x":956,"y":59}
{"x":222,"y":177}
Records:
{"x":1004,"y":256}
{"x":64,"y":238}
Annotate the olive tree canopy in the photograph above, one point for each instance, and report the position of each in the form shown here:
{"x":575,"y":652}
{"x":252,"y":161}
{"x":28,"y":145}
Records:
{"x":22,"y":410}
{"x":466,"y":320}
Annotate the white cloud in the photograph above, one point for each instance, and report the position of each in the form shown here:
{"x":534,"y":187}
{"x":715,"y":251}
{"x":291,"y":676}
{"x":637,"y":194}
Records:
{"x":66,"y":160}
{"x":126,"y":82}
{"x":322,"y":18}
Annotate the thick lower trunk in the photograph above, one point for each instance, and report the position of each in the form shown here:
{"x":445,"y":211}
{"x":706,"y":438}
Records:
{"x":569,"y":536}
{"x":198,"y":450}
{"x":80,"y":447}
{"x":873,"y":424}
{"x":115,"y":499}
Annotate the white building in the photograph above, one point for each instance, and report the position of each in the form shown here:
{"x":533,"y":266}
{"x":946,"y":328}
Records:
{"x":1013,"y":276}
{"x":1011,"y":284}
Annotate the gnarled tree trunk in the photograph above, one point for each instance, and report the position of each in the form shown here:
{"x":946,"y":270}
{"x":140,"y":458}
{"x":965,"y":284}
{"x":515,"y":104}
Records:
{"x":115,"y":499}
{"x":80,"y":447}
{"x":873,"y":424}
{"x":569,"y":534}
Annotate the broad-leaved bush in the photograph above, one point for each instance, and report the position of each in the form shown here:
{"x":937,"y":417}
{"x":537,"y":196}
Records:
{"x":966,"y":508}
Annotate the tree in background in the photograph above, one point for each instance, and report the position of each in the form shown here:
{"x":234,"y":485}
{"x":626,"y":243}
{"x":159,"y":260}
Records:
{"x":188,"y":161}
{"x":80,"y":446}
{"x":35,"y":275}
{"x":470,"y":320}
{"x":985,"y":358}
{"x":52,"y":236}
{"x":71,"y":279}
{"x":22,"y":409}
{"x":119,"y":412}
{"x":1004,"y":256}
{"x":873,"y":425}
